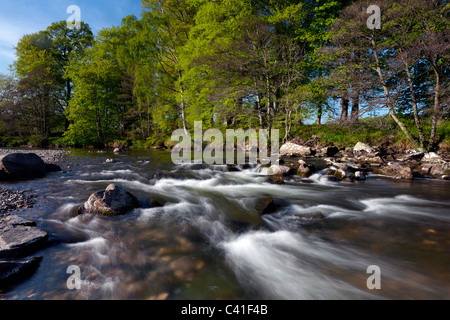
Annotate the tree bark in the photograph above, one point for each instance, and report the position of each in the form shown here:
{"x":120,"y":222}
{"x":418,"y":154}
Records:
{"x":354,"y":116}
{"x":183,"y":113}
{"x":436,"y":112}
{"x":344,"y":106}
{"x":319,"y":113}
{"x":414,"y":102}
{"x":388,"y":96}
{"x":260,"y":115}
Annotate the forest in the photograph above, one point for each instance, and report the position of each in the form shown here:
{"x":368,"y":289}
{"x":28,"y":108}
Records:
{"x":303,"y":67}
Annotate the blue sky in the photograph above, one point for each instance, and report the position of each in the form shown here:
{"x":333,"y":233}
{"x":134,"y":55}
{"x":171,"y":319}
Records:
{"x":20,"y":17}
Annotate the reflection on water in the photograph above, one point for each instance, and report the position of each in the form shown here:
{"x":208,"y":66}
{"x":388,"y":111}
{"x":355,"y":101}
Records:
{"x":209,"y":241}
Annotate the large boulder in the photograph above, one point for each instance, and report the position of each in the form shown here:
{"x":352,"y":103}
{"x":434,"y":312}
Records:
{"x":111,"y":202}
{"x":296,"y":150}
{"x":363,"y":147}
{"x":396,"y":170}
{"x":21,"y":166}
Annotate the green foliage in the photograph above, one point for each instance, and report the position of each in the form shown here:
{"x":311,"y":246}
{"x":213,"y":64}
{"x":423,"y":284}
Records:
{"x":230,"y":64}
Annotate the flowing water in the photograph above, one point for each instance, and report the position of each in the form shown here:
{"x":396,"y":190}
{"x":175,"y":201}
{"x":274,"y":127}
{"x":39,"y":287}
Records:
{"x":210,"y":242}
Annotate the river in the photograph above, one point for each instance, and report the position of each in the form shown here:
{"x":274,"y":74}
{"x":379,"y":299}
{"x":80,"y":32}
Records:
{"x":210,"y":242}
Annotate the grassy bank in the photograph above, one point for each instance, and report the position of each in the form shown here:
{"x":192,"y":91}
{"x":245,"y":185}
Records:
{"x":373,"y":131}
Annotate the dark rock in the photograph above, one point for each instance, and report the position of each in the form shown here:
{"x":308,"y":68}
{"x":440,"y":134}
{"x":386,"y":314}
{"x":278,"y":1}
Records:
{"x":111,"y":202}
{"x":265,"y":205}
{"x":21,"y":166}
{"x":269,"y":205}
{"x":276,"y":179}
{"x":13,"y":271}
{"x":154,"y":203}
{"x":232,"y":168}
{"x":49,"y":167}
{"x":19,"y":237}
{"x":327,"y":152}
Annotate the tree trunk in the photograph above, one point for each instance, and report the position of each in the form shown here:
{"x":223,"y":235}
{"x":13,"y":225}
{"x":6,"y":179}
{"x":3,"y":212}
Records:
{"x":260,"y":115}
{"x":355,"y":106}
{"x":414,"y":102}
{"x":436,"y":111}
{"x":237,"y":108}
{"x":287,"y":125}
{"x":319,"y":113}
{"x":269,"y":102}
{"x":388,"y":96}
{"x":99,"y":125}
{"x":183,"y":113}
{"x":68,"y":97}
{"x":344,"y":106}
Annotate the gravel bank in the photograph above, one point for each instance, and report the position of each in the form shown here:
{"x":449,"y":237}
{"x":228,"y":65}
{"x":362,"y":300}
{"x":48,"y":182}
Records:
{"x":12,"y":200}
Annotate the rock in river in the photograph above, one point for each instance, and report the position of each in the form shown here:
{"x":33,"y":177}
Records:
{"x":19,"y":237}
{"x":13,"y":271}
{"x":111,"y":202}
{"x":21,"y":166}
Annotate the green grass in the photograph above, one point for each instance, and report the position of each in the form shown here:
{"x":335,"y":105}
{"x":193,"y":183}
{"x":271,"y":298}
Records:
{"x":372,"y":131}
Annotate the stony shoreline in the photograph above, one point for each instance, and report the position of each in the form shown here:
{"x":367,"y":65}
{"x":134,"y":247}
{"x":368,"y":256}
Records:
{"x":19,"y":238}
{"x":13,"y":200}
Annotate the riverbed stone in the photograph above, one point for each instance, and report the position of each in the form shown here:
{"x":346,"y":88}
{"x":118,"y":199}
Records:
{"x":304,"y":170}
{"x":18,"y":237}
{"x":13,"y":271}
{"x":276,"y":179}
{"x":111,"y":202}
{"x":21,"y":166}
{"x":265,"y":205}
{"x":396,"y":170}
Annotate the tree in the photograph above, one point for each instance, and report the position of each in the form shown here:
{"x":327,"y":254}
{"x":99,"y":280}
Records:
{"x":169,"y":24}
{"x":393,"y":57}
{"x":38,"y":87}
{"x":313,"y":28}
{"x":96,"y":110}
{"x":65,"y":42}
